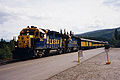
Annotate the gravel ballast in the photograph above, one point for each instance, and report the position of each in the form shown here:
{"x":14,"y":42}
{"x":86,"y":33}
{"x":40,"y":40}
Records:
{"x":94,"y":68}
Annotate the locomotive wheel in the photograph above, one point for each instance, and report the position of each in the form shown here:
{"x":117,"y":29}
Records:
{"x":41,"y":53}
{"x":63,"y":51}
{"x":77,"y":49}
{"x":38,"y":53}
{"x":46,"y":53}
{"x":60,"y":51}
{"x":35,"y":54}
{"x":68,"y":50}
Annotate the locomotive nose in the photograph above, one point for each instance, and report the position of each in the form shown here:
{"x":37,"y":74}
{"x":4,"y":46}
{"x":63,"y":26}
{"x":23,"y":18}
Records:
{"x":24,"y":41}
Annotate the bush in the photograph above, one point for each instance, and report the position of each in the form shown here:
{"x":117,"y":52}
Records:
{"x":116,"y":43}
{"x":12,"y":45}
{"x":5,"y":52}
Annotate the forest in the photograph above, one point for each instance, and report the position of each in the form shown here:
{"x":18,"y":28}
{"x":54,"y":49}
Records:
{"x":6,"y":49}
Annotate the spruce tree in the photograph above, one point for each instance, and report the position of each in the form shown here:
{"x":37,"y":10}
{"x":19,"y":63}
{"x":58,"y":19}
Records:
{"x":116,"y":34}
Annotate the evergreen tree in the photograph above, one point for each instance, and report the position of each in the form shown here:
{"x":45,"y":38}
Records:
{"x":12,"y":45}
{"x":5,"y":52}
{"x":2,"y":42}
{"x":6,"y":49}
{"x":116,"y":34}
{"x":116,"y":39}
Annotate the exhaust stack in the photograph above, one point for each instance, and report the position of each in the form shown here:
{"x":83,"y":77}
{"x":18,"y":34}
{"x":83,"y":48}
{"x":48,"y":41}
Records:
{"x":60,"y":31}
{"x":65,"y":31}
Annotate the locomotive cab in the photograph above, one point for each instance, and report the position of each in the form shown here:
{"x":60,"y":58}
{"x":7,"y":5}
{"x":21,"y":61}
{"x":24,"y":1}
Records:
{"x":27,"y":37}
{"x":26,"y":42}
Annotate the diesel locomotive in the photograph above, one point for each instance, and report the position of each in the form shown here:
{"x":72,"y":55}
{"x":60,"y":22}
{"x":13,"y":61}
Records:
{"x":34,"y":42}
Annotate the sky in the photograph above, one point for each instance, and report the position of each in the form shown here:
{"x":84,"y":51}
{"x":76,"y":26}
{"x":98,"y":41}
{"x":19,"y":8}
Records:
{"x":79,"y":16}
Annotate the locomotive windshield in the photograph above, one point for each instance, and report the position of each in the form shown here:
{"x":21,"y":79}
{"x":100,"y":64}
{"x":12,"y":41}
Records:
{"x":27,"y":32}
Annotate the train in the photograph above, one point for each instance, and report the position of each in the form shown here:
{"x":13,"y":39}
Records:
{"x":38,"y":42}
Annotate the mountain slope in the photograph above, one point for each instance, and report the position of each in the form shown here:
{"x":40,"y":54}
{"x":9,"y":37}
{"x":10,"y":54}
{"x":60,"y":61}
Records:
{"x":105,"y":34}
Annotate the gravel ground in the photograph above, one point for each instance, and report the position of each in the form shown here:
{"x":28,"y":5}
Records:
{"x":94,"y":68}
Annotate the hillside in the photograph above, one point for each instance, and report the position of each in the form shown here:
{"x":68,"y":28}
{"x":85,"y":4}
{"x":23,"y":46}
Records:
{"x":104,"y":34}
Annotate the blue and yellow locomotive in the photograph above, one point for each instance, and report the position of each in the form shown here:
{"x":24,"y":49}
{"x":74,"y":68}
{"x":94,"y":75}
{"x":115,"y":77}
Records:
{"x":34,"y":42}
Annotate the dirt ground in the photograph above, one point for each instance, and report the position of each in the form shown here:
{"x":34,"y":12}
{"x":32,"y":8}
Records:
{"x":94,"y":68}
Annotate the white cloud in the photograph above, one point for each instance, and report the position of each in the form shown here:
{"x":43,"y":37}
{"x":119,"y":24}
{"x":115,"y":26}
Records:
{"x":76,"y":15}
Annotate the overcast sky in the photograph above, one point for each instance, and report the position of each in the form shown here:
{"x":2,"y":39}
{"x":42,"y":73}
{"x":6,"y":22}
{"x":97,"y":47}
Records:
{"x":77,"y":15}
